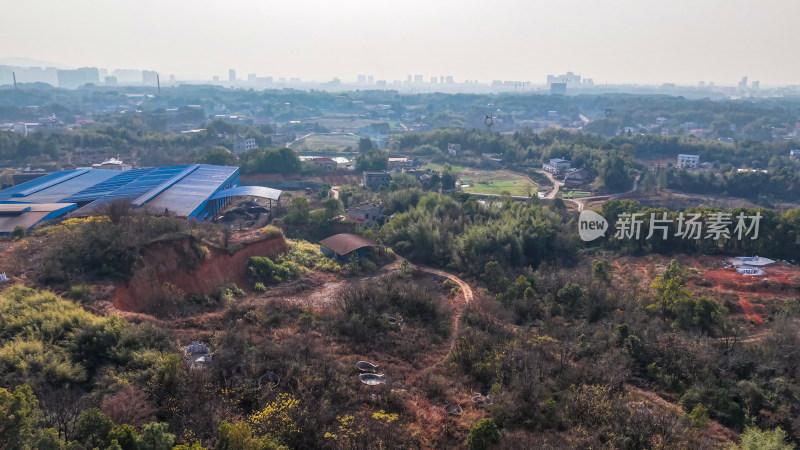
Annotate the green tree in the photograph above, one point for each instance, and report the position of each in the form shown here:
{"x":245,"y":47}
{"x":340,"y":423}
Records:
{"x":707,"y":314}
{"x":483,"y":435}
{"x":333,"y":207}
{"x":125,"y":436}
{"x":19,"y":413}
{"x":155,"y":437}
{"x":48,"y":440}
{"x":239,"y":436}
{"x":365,"y":144}
{"x":93,"y":428}
{"x":669,"y":291}
{"x":372,"y":160}
{"x":755,"y":439}
{"x":601,"y":270}
{"x":18,"y":232}
{"x":220,"y":156}
{"x":699,"y":416}
{"x":298,"y":211}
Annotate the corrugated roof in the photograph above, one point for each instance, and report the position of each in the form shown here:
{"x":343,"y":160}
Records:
{"x":55,"y":187}
{"x":183,"y":190}
{"x":188,"y":196}
{"x":345,"y":243}
{"x":252,"y":191}
{"x":29,"y":214}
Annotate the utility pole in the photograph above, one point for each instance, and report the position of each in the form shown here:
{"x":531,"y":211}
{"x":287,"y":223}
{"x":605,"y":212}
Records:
{"x":14,"y":75}
{"x":158,"y":83}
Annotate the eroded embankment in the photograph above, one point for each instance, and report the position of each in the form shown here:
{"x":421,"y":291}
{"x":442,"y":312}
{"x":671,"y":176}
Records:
{"x":188,"y":267}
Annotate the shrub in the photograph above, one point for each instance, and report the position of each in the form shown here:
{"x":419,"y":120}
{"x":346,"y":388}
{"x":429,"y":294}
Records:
{"x":263,"y":268}
{"x":80,"y":292}
{"x":18,"y":232}
{"x":259,"y":287}
{"x":483,"y":435}
{"x":271,"y":231}
{"x":699,"y":416}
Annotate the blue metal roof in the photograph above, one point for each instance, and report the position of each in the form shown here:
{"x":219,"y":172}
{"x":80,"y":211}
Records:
{"x":189,"y":196}
{"x":253,"y":191}
{"x":183,"y":190}
{"x":55,"y":187}
{"x":108,"y":186}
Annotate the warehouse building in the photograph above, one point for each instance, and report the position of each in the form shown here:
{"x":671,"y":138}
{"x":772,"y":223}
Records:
{"x":197,"y":192}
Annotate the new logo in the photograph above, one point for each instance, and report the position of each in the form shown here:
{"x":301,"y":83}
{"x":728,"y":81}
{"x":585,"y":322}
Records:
{"x":591,"y":225}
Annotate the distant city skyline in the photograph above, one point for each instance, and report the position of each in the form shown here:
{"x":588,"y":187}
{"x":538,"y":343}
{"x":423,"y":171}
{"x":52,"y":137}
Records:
{"x":619,"y":41}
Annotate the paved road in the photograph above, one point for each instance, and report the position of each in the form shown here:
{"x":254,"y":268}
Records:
{"x":557,"y":185}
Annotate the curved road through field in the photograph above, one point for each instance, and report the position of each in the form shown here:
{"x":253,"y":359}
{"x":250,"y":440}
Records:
{"x":582,"y":201}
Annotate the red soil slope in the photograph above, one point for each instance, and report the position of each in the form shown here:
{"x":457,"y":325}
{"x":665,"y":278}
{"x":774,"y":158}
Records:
{"x":177,"y":262}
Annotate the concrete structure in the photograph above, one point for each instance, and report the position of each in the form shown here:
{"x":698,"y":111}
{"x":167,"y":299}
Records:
{"x":401,"y":163}
{"x":366,"y":214}
{"x":241,"y":145}
{"x":231,"y":75}
{"x":150,"y":77}
{"x":576,"y":177}
{"x":112,"y":164}
{"x":453,"y":149}
{"x":688,"y":161}
{"x":73,"y":79}
{"x":557,"y":165}
{"x":345,"y":246}
{"x":375,"y":180}
{"x":794,"y":154}
{"x":753,"y":261}
{"x":748,"y":270}
{"x":324,"y":163}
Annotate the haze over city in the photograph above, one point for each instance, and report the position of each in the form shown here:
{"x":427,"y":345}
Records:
{"x":621,"y":41}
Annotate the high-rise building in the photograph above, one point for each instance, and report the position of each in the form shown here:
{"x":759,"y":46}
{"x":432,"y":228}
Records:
{"x":231,"y":75}
{"x":743,"y":83}
{"x":418,"y":79}
{"x":149,"y":77}
{"x":434,"y":80}
{"x":110,"y":81}
{"x":215,"y":79}
{"x":370,"y":79}
{"x":449,"y":79}
{"x":756,"y":85}
{"x":72,"y":79}
{"x":362,"y":79}
{"x":128,"y":75}
{"x":251,"y":77}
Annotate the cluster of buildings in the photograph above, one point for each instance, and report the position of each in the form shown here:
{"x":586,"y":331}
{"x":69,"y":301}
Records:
{"x":50,"y":122}
{"x":75,"y":78}
{"x":572,"y":177}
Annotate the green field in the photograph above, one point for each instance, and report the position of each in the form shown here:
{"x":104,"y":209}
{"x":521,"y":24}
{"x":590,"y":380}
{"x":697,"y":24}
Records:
{"x":317,"y":142}
{"x":496,"y":182}
{"x":575,"y":194}
{"x":440,"y":167}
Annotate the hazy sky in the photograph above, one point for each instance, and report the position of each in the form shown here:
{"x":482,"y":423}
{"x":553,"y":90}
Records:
{"x":644,"y":41}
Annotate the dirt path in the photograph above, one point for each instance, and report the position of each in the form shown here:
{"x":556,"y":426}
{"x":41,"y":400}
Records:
{"x":458,"y":308}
